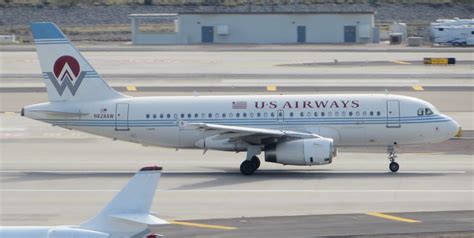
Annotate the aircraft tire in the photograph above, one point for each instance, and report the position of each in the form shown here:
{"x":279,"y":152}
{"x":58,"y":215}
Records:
{"x":394,"y":166}
{"x":256,"y":161}
{"x":247,"y":167}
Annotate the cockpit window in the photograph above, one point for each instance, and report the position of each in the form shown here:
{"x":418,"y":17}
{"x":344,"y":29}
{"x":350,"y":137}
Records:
{"x":428,"y":111}
{"x":420,"y":112}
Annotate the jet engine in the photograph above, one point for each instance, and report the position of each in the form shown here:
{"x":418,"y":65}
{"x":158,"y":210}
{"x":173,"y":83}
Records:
{"x":66,"y":232}
{"x":315,"y":151}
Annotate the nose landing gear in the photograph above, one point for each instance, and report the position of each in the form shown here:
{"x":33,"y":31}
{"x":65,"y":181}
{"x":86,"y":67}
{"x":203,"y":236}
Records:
{"x":393,"y":166}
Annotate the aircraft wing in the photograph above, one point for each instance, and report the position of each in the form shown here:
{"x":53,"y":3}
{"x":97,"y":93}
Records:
{"x":241,"y":132}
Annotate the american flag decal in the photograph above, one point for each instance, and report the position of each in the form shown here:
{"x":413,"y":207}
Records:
{"x":239,"y":105}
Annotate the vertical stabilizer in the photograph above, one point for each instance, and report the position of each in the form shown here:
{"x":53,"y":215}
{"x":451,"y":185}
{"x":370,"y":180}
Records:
{"x":129,"y":211}
{"x":67,"y":74}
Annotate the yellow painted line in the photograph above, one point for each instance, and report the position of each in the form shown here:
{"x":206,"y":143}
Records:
{"x":390,"y":217}
{"x":418,"y":88}
{"x":9,"y":113}
{"x":400,"y":62}
{"x":202,"y":225}
{"x":271,"y":88}
{"x":131,"y":88}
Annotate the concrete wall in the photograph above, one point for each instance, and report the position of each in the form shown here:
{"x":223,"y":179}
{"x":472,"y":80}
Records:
{"x":275,"y":28}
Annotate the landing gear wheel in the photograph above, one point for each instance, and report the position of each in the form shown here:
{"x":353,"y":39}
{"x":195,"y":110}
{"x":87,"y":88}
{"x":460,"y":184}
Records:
{"x":256,"y":161}
{"x":247,"y":167}
{"x":394,"y":166}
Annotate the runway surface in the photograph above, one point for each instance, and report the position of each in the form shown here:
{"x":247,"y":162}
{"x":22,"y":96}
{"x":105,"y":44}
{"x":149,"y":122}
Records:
{"x":53,"y":176}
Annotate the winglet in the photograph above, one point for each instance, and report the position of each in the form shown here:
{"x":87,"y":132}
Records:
{"x":129,"y":211}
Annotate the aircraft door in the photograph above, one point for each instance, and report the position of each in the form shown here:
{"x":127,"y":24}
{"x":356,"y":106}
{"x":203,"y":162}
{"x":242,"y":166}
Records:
{"x":121,"y":117}
{"x":280,"y":116}
{"x":393,"y":114}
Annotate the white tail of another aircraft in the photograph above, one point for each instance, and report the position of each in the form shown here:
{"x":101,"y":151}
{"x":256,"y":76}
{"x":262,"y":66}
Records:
{"x":67,"y":74}
{"x":129,"y":211}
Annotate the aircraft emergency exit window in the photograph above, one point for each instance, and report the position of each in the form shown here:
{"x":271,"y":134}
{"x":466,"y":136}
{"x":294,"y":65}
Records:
{"x":428,"y":111}
{"x":147,"y":116}
{"x":420,"y":112}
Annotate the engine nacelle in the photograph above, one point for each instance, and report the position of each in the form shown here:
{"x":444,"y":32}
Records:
{"x":315,"y":151}
{"x":66,"y":232}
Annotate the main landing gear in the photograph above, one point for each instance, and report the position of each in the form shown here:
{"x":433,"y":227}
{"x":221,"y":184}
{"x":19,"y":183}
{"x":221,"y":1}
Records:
{"x":393,"y":166}
{"x":248,"y":167}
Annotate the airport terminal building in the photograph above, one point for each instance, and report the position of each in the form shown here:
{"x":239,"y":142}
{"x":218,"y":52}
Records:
{"x":259,"y":28}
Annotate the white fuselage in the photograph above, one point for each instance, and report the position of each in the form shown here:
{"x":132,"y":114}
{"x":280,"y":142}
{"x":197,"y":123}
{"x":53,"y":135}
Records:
{"x":350,"y":120}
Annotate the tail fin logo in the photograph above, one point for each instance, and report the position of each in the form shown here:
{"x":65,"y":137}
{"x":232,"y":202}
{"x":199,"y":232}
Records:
{"x":66,"y":74}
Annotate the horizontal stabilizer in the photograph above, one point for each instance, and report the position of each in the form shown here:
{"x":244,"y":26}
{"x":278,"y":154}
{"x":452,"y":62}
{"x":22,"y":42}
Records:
{"x":146,"y":219}
{"x":60,"y":113}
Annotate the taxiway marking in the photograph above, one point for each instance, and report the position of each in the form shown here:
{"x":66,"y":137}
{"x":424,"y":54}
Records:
{"x":418,"y":88}
{"x":399,"y":62}
{"x":391,"y":217}
{"x":182,"y":223}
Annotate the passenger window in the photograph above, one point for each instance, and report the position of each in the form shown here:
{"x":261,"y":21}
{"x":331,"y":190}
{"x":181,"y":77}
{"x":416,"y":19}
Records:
{"x":237,"y":114}
{"x":182,"y":115}
{"x":343,"y":114}
{"x":203,"y":115}
{"x":265,"y":114}
{"x":217,"y":115}
{"x":371,"y":114}
{"x":364,"y":114}
{"x":168,"y":115}
{"x":291,"y":114}
{"x":161,"y":115}
{"x":315,"y":114}
{"x":196,"y":115}
{"x":223,"y":115}
{"x":336,"y":114}
{"x":189,"y":115}
{"x":378,"y":113}
{"x":154,"y":116}
{"x":231,"y":115}
{"x":357,"y":113}
{"x":175,"y":116}
{"x":350,"y":114}
{"x":251,"y":114}
{"x":428,"y":111}
{"x":322,"y":114}
{"x":147,"y":116}
{"x":420,"y":112}
{"x":209,"y":115}
{"x":258,"y":114}
{"x":301,"y":114}
{"x":244,"y":114}
{"x":272,"y":114}
{"x":308,"y":114}
{"x":329,"y":114}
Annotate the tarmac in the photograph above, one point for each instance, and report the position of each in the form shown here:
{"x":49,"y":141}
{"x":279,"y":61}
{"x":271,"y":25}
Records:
{"x":53,"y":176}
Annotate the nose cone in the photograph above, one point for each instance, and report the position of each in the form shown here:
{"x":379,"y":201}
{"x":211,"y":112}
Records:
{"x":454,"y":130}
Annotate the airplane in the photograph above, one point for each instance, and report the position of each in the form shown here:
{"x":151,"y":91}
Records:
{"x":301,"y":130}
{"x":126,"y":215}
